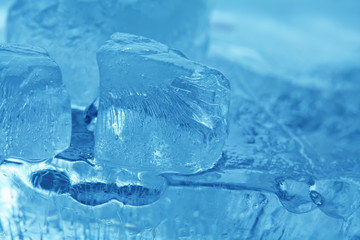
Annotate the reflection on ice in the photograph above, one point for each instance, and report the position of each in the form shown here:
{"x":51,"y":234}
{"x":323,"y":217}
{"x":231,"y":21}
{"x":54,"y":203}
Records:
{"x":290,"y":166}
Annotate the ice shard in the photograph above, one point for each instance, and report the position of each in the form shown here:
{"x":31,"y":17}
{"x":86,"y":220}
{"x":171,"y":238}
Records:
{"x":158,"y":110}
{"x":35,"y":117}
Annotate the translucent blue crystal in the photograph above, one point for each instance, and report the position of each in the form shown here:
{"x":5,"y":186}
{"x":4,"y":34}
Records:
{"x":149,"y":156}
{"x":154,"y":104}
{"x":35,"y":116}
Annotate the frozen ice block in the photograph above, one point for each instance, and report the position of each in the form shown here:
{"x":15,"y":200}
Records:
{"x":158,"y":110}
{"x":35,"y":117}
{"x":72,"y":30}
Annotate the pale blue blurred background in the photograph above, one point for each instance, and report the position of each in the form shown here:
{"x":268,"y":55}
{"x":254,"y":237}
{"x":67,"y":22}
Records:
{"x":291,"y":38}
{"x":279,"y":36}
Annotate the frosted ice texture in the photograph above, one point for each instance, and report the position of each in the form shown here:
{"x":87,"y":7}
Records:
{"x":35,"y":118}
{"x":72,"y":30}
{"x":157,"y":108}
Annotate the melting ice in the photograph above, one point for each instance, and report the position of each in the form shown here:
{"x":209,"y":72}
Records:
{"x":34,"y":105}
{"x":288,"y":168}
{"x":154,"y":103}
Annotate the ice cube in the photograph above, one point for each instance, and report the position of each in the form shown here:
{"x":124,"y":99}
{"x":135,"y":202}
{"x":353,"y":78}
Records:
{"x":157,"y":108}
{"x":35,"y":117}
{"x":72,"y":30}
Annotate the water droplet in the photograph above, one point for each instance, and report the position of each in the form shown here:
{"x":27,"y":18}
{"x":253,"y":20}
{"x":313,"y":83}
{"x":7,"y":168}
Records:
{"x":293,"y":195}
{"x":316,"y":198}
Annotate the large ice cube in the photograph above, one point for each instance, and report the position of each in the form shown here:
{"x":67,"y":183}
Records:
{"x":35,"y":118}
{"x":72,"y":30}
{"x":157,"y":108}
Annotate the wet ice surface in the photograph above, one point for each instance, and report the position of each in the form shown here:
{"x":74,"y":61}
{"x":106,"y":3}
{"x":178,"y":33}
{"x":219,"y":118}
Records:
{"x":93,"y":193}
{"x":289,"y":169}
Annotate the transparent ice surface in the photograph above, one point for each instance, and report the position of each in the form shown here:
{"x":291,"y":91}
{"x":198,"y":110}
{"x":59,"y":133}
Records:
{"x":154,"y":103}
{"x":35,"y":120}
{"x":72,"y":30}
{"x":289,"y":169}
